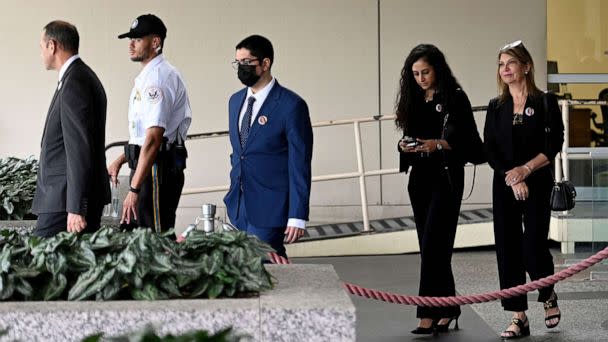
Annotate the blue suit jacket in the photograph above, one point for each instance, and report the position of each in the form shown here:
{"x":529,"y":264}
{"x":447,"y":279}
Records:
{"x":273,"y":168}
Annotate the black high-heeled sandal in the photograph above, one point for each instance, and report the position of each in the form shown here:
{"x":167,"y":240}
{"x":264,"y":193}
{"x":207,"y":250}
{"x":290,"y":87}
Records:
{"x":446,"y":327}
{"x":524,"y":330}
{"x":426,"y":331}
{"x":550,"y":304}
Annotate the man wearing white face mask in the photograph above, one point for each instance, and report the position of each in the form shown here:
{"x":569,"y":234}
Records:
{"x":159,"y":117}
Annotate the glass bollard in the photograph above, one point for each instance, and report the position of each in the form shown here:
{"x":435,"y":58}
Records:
{"x":115,"y":201}
{"x":107,"y":210}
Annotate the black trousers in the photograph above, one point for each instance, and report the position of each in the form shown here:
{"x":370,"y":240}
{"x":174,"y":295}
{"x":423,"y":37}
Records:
{"x":436,"y":203}
{"x":523,"y":250}
{"x":51,"y":224}
{"x":170,"y":184}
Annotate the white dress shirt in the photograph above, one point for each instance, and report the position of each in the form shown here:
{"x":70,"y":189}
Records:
{"x":67,"y":63}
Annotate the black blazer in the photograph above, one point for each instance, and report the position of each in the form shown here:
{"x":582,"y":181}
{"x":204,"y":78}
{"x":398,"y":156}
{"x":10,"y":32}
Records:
{"x":498,"y":132}
{"x":73,"y":175}
{"x":460,"y":132}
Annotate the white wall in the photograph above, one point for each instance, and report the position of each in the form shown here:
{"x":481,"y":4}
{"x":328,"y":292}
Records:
{"x":469,"y":32}
{"x":327,"y":51}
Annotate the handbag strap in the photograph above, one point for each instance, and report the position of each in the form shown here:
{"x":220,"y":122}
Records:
{"x":548,"y":128}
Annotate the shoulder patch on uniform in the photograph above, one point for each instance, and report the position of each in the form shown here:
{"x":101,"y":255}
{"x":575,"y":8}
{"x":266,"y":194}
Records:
{"x":154,"y":95}
{"x":137,"y":96}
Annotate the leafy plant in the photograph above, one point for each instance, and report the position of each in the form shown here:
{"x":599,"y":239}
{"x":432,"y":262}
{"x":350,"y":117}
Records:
{"x":111,"y":264}
{"x":148,"y":335}
{"x":17,"y":187}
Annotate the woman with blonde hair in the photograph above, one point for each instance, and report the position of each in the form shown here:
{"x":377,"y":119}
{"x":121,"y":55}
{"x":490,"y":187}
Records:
{"x":522,"y":135}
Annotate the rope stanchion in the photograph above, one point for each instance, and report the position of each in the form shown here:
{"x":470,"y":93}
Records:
{"x":470,"y":299}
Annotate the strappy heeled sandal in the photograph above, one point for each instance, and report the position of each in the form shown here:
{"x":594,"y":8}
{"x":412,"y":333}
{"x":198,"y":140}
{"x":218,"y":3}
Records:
{"x":426,"y":331}
{"x":446,"y":327}
{"x":524,"y":330}
{"x":550,"y":304}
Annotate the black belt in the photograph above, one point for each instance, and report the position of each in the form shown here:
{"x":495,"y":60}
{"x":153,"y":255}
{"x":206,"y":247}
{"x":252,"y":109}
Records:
{"x":166,"y":145}
{"x":171,"y":155}
{"x":132,"y":150}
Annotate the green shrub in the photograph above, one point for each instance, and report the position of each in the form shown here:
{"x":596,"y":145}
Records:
{"x":17,"y":187}
{"x":148,"y":335}
{"x":111,"y":264}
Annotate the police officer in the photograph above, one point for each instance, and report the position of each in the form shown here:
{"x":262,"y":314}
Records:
{"x":159,"y":117}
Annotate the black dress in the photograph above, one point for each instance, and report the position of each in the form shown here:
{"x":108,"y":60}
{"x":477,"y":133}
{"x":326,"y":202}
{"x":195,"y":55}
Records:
{"x":435,"y":187}
{"x":509,"y":143}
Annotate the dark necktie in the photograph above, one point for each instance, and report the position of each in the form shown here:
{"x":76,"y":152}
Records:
{"x":246,"y":123}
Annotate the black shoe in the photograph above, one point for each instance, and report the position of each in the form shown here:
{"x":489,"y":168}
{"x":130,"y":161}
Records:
{"x":446,"y":327}
{"x":550,"y":304}
{"x":426,"y":331}
{"x":524,"y":329}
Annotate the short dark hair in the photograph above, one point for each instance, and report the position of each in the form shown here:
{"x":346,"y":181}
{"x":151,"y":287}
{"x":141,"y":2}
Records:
{"x":259,"y":47}
{"x":64,"y":33}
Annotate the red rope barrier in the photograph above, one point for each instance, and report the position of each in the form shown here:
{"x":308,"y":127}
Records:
{"x":470,"y":299}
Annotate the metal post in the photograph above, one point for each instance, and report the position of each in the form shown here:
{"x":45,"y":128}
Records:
{"x":561,"y":165}
{"x":361,"y":172}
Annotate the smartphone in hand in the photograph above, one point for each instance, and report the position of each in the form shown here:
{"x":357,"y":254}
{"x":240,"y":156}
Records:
{"x":410,"y":142}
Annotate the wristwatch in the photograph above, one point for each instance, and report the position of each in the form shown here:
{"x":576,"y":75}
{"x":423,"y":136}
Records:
{"x":439,"y":146}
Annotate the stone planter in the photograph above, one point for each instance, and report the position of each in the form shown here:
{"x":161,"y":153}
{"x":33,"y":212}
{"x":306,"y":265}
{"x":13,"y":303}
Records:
{"x":308,"y":304}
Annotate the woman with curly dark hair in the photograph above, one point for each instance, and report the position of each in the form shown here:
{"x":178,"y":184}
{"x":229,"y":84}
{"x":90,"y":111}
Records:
{"x":439,"y":138}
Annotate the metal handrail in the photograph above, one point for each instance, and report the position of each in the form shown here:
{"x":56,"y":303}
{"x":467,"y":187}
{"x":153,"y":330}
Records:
{"x":361,"y":173}
{"x":217,"y":134}
{"x":196,"y":136}
{"x":561,"y":160}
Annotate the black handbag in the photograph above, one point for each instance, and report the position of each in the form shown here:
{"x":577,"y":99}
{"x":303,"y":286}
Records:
{"x":563,"y":194}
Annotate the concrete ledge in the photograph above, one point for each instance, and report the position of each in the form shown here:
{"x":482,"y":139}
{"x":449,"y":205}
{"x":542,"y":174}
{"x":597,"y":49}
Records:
{"x":308,"y":304}
{"x":23,"y":225}
{"x":26,"y":226}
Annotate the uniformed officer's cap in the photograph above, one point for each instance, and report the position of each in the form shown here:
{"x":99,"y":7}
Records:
{"x":144,"y":25}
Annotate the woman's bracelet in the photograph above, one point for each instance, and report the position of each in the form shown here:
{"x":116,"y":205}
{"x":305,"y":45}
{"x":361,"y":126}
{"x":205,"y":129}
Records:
{"x":528,"y":168}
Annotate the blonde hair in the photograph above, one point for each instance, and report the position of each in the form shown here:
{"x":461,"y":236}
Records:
{"x":518,"y":51}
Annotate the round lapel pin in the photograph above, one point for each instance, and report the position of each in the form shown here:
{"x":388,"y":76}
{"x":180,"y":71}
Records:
{"x":438,"y":107}
{"x":529,"y":111}
{"x":262,"y":120}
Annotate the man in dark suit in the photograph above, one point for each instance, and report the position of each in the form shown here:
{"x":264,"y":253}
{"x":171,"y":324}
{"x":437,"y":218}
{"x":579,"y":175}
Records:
{"x":72,"y":185}
{"x":271,"y":138}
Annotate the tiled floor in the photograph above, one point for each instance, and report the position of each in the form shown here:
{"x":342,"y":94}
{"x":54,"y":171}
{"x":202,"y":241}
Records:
{"x":584,"y":302}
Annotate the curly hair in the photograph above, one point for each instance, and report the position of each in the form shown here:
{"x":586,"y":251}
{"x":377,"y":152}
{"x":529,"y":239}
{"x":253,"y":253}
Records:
{"x":410,"y":93}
